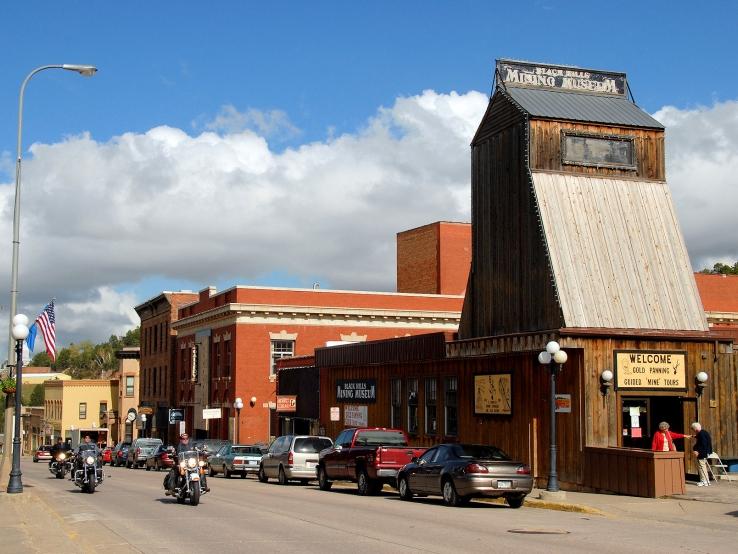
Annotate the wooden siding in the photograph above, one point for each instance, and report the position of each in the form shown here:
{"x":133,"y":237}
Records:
{"x":510,"y":286}
{"x":545,"y":149}
{"x":524,"y":435}
{"x":617,"y":252}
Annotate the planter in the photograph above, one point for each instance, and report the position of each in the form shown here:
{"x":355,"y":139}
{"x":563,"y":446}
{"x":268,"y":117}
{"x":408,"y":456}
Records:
{"x":9,"y":390}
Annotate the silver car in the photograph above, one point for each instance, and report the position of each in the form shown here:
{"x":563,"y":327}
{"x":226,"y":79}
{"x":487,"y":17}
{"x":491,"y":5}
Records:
{"x":240,"y":459}
{"x":292,"y":457}
{"x":460,"y":472}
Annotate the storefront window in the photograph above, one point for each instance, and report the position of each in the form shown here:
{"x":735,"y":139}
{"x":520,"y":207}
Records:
{"x":412,"y":406}
{"x":431,"y":422}
{"x":396,"y":401}
{"x":451,"y":423}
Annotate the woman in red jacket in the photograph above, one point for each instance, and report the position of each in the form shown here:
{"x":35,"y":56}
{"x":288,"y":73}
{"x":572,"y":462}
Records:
{"x":663,"y":438}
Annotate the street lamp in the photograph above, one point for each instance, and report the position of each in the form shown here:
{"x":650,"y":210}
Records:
{"x":20,"y":332}
{"x":238,"y":404}
{"x":87,"y":71}
{"x":143,"y":425}
{"x":553,"y":353}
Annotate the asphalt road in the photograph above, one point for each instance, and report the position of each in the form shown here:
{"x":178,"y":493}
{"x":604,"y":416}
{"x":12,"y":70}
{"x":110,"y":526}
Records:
{"x":130,"y":513}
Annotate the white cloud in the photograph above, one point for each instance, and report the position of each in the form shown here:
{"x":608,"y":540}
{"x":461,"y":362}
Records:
{"x":702,"y":171}
{"x":225,"y":207}
{"x":98,"y":217}
{"x":270,"y":124}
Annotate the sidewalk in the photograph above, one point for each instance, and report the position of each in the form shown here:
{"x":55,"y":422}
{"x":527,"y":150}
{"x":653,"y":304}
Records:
{"x":723,"y":493}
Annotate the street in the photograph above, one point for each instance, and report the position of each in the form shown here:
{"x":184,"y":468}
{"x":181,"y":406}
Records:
{"x":130,"y":513}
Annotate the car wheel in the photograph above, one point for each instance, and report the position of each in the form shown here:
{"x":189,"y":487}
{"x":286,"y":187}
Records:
{"x":323,"y":483}
{"x":450,"y":496}
{"x":365,"y":485}
{"x":515,"y":501}
{"x":35,"y":460}
{"x":129,"y":465}
{"x":403,"y":487}
{"x":211,"y":472}
{"x":226,"y":473}
{"x":282,"y":477}
{"x":148,"y":467}
{"x":243,"y":475}
{"x":262,"y":475}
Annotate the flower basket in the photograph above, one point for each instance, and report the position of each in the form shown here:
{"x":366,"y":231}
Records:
{"x":8,"y":385}
{"x":9,"y":390}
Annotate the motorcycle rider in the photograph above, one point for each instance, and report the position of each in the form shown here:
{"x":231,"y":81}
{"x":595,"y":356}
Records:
{"x":60,"y":446}
{"x":170,"y":481}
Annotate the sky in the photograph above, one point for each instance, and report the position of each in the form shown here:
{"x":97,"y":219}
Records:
{"x":286,"y":143}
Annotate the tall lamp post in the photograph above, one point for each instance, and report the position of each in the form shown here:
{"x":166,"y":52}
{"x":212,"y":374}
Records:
{"x":238,"y":404}
{"x":553,"y":353}
{"x":87,"y":71}
{"x":20,"y":332}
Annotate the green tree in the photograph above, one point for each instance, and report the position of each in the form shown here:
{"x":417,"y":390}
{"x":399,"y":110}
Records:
{"x":722,"y":269}
{"x":42,"y":359}
{"x":37,"y":396}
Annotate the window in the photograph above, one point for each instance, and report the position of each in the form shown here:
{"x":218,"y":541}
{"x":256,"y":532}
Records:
{"x":154,"y":384}
{"x":431,"y":422}
{"x":129,"y":385}
{"x":615,"y":151}
{"x":103,"y":408}
{"x":227,"y":358}
{"x":396,"y":403}
{"x":451,"y":419}
{"x":412,"y":406}
{"x":428,"y":456}
{"x":281,"y":349}
{"x":345,"y":438}
{"x":83,"y":410}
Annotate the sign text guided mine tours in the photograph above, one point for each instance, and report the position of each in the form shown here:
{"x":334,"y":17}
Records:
{"x":650,"y":369}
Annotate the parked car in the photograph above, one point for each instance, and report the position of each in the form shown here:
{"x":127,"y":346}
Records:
{"x":460,"y":472}
{"x":140,"y":450}
{"x":210,"y":446}
{"x":42,"y":454}
{"x":162,"y":458}
{"x":369,"y":456}
{"x":232,"y":459}
{"x":107,"y":455}
{"x":119,"y":454}
{"x":292,"y":457}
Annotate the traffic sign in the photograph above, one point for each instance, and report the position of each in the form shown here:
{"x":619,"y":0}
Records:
{"x":175,"y":415}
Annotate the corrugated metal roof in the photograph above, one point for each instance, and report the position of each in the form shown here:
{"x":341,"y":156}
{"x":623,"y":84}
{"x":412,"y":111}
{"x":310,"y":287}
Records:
{"x":594,"y":108}
{"x":617,"y":253}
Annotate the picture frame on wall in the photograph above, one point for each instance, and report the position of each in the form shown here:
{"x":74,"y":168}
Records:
{"x":493,"y":394}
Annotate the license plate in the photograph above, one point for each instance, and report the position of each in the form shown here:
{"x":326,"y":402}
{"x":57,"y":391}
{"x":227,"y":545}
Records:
{"x":310,"y":464}
{"x":252,"y":462}
{"x":504,"y":484}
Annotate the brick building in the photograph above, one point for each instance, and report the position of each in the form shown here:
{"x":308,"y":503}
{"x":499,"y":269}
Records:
{"x":719,"y":294}
{"x":157,"y":358}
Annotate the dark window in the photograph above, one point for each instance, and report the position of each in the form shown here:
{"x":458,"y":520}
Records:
{"x":83,"y":410}
{"x":227,"y":360}
{"x":311,"y":445}
{"x":103,"y":408}
{"x":396,"y":402}
{"x":478,"y":452}
{"x":598,"y":151}
{"x":431,"y":423}
{"x":451,"y":423}
{"x":412,"y":406}
{"x":428,"y":455}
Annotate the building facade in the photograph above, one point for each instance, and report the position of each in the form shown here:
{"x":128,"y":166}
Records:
{"x":128,"y":389}
{"x":158,"y":340}
{"x":227,"y":345}
{"x":79,"y":404}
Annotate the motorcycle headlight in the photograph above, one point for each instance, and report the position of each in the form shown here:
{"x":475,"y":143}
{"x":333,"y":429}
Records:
{"x":191,"y":462}
{"x":62,"y":456}
{"x":201,"y":463}
{"x":182,"y":463}
{"x":90,"y":460}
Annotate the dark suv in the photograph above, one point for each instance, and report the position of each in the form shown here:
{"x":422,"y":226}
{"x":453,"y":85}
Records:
{"x":119,"y":455}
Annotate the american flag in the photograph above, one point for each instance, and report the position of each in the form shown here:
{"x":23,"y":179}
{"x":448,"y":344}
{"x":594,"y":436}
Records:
{"x":47,"y":323}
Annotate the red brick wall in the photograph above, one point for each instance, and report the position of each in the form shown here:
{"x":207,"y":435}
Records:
{"x":434,"y":259}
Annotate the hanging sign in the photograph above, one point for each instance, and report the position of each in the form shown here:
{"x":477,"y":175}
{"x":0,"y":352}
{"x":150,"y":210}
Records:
{"x":650,"y":370}
{"x":286,"y":403}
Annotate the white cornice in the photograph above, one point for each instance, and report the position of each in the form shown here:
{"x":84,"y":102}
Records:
{"x":231,"y":314}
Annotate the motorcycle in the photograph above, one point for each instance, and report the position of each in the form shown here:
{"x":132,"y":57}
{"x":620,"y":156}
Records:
{"x":190,"y":469}
{"x":87,"y":473}
{"x":61,"y":464}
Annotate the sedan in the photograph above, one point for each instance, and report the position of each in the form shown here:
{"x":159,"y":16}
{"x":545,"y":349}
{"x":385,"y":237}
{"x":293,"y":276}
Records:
{"x":235,"y":458}
{"x":162,"y":458}
{"x":43,"y":454}
{"x":119,"y":455}
{"x":460,"y":472}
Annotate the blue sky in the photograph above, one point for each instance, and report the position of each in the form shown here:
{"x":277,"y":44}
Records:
{"x":349,"y":119}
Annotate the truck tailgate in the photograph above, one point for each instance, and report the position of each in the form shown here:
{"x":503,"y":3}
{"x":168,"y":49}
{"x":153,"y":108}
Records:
{"x":398,"y":456}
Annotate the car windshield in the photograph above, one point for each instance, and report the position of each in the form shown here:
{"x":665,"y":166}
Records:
{"x":211,"y":445}
{"x":312,"y":445}
{"x":479,"y":452}
{"x":152,"y":442}
{"x":255,"y":450}
{"x":377,"y":438}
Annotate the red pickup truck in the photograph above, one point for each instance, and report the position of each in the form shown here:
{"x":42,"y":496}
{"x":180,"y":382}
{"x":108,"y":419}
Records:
{"x":369,"y":456}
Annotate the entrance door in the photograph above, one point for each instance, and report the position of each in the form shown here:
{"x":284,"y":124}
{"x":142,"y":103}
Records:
{"x":641,"y":417}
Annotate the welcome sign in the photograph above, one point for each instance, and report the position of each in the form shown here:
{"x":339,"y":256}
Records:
{"x":650,"y":370}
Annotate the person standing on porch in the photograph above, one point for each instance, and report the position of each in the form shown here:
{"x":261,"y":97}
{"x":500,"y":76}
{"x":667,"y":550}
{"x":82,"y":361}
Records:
{"x":702,"y":449}
{"x":663,"y":439}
